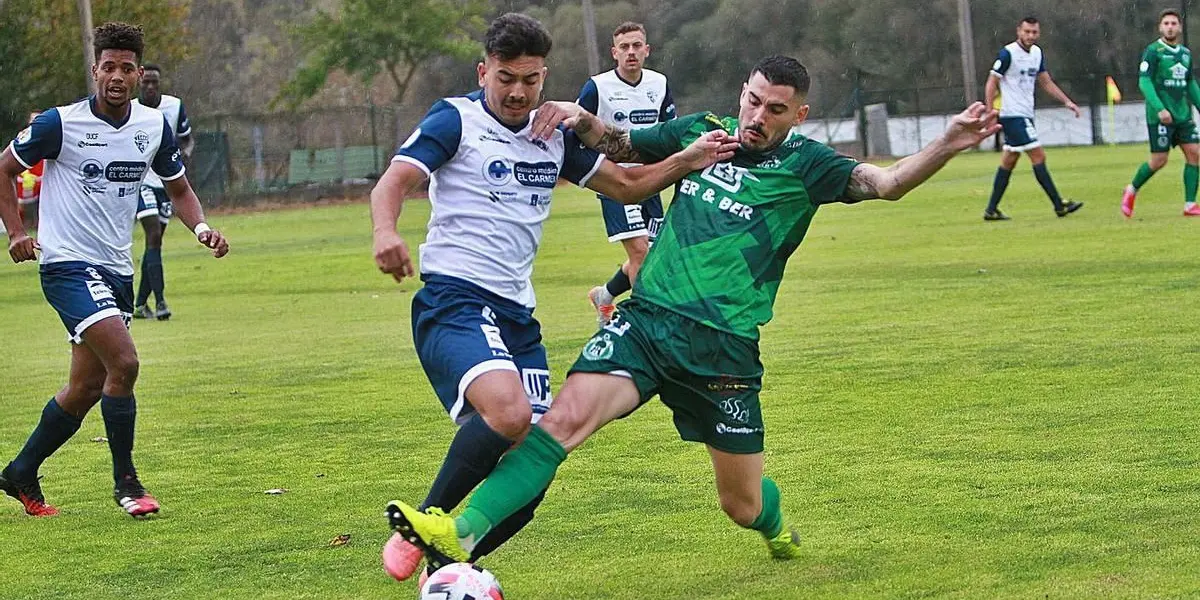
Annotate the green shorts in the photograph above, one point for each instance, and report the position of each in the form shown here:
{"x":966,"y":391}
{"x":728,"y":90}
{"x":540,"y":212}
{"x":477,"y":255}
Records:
{"x":1165,"y":137}
{"x":710,"y":379}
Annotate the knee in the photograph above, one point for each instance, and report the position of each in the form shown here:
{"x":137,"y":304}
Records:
{"x":511,"y":420}
{"x":124,"y":367}
{"x":1157,"y":162}
{"x":1009,"y":161}
{"x":566,"y":422}
{"x":741,"y":509}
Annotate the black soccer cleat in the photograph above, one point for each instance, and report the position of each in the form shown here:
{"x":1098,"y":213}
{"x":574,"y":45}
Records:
{"x":28,"y":493}
{"x":995,"y":215}
{"x":1068,"y":207}
{"x":161,"y":312}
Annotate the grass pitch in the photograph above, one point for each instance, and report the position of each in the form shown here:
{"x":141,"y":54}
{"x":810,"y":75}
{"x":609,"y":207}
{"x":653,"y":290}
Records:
{"x":954,"y":409}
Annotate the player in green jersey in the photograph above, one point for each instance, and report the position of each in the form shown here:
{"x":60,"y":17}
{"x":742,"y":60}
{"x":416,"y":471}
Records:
{"x":1170,"y":89}
{"x":689,"y":333}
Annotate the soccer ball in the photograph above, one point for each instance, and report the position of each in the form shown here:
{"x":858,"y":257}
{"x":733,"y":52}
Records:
{"x":461,"y":581}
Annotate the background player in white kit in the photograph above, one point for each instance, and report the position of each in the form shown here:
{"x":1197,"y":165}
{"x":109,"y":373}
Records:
{"x":155,"y":208}
{"x":1018,"y":70}
{"x":630,"y":97}
{"x":491,"y":181}
{"x":97,"y":152}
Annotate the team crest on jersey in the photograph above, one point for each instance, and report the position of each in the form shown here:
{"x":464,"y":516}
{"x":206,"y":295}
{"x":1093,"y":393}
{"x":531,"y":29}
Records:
{"x":24,"y":136}
{"x":652,"y":95}
{"x":141,"y":139}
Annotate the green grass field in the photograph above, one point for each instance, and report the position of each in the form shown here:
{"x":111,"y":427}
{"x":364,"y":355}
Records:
{"x":955,"y":409}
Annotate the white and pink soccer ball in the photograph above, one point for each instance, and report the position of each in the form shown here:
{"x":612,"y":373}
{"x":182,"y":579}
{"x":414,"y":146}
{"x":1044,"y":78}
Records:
{"x":461,"y":581}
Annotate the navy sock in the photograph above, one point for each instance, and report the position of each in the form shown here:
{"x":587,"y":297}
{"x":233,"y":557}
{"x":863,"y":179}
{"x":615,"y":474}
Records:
{"x":119,"y":416}
{"x":144,"y":285}
{"x":52,"y":431}
{"x":152,"y":267}
{"x":1043,"y":178}
{"x":506,"y":529}
{"x":999,"y":184}
{"x":473,"y":454}
{"x":619,"y":284}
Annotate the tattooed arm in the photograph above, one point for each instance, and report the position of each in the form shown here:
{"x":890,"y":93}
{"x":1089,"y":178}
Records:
{"x":966,"y":130}
{"x":608,"y":140}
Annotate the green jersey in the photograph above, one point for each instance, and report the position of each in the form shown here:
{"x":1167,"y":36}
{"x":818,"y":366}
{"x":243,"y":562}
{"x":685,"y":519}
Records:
{"x":1165,"y":79}
{"x":727,"y":236}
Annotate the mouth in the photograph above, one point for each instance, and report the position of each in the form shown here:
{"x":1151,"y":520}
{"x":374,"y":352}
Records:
{"x":751,"y":135}
{"x":115,"y":92}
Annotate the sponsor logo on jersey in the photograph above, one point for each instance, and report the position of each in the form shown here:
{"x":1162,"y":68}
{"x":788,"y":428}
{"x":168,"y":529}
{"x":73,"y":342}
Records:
{"x":497,"y":171}
{"x":620,"y":117}
{"x":643,"y":117}
{"x":141,"y":139}
{"x":540,"y":174}
{"x":125,"y":171}
{"x":492,"y":135}
{"x":92,"y":170}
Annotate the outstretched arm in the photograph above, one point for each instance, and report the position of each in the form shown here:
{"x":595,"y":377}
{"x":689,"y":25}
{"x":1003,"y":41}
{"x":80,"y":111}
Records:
{"x":187,"y":206}
{"x":1052,"y":88}
{"x":612,"y":142}
{"x":635,"y":184}
{"x":967,"y":130}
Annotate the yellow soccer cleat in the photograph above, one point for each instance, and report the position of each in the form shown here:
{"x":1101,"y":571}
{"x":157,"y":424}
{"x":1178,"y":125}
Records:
{"x":432,"y":531}
{"x":786,"y":545}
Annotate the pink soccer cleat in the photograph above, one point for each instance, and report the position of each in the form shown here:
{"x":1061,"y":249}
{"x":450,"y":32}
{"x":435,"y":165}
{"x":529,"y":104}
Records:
{"x":133,"y":498}
{"x":401,"y":558}
{"x":1191,"y":210}
{"x":1127,"y":201}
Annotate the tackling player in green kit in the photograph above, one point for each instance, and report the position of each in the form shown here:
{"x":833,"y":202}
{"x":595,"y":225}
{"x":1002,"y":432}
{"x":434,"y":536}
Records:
{"x":1165,"y":79}
{"x":689,"y":333}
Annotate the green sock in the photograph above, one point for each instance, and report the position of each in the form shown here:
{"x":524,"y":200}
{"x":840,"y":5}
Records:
{"x":1191,"y":175}
{"x":517,"y":479}
{"x":770,"y":521}
{"x":1144,"y":173}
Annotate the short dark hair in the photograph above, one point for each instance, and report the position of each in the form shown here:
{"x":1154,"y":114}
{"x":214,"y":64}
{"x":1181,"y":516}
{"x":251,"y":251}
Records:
{"x":1169,"y":12}
{"x":1031,"y":20}
{"x":784,"y":70}
{"x":512,"y":35}
{"x":627,"y":27}
{"x":118,"y":36}
{"x":151,"y":67}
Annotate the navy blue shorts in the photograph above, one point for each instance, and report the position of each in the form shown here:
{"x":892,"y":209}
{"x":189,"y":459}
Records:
{"x":1019,"y":134}
{"x":625,"y":221}
{"x":84,"y":294}
{"x":462,"y":331}
{"x":153,"y":201}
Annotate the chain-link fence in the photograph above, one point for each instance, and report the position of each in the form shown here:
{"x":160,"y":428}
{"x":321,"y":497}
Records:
{"x":288,"y":157}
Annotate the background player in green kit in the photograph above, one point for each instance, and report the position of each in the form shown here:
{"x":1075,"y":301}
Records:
{"x":689,"y":333}
{"x":1170,"y":89}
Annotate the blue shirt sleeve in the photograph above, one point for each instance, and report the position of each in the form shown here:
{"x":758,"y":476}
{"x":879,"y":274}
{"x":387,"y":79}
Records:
{"x":167,"y":163}
{"x":1042,"y":64}
{"x":435,"y":140}
{"x":42,"y":139}
{"x":589,"y":97}
{"x":667,"y":111}
{"x":1002,"y":63}
{"x":579,"y":161}
{"x":184,"y":127}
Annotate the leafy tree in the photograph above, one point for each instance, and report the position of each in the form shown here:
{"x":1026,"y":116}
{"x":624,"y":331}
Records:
{"x":394,"y":37}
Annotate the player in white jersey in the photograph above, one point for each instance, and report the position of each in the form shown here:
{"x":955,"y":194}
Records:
{"x":96,"y":153}
{"x":155,"y":209}
{"x":1018,"y":70}
{"x":631,"y":97}
{"x":491,"y":182}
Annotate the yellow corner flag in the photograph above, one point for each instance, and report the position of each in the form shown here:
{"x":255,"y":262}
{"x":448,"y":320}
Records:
{"x":1114,"y":93}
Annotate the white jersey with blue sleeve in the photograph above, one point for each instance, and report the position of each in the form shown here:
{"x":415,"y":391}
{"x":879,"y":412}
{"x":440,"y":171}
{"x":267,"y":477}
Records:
{"x":172,"y":108}
{"x":628,"y":105}
{"x":1018,"y":70}
{"x":490,"y":188}
{"x":93,"y":171}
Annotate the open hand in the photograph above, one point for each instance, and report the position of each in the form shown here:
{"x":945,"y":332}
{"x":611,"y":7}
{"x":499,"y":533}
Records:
{"x":971,"y":127}
{"x":550,"y":115}
{"x":710,"y":149}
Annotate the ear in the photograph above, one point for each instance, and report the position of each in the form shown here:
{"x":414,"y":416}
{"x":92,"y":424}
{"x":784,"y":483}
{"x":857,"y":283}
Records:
{"x":801,"y":115}
{"x":647,"y":50}
{"x":616,"y":54}
{"x":481,"y":70}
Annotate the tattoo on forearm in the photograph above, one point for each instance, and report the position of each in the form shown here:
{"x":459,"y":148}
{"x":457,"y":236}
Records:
{"x":861,"y":186}
{"x":616,"y":146}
